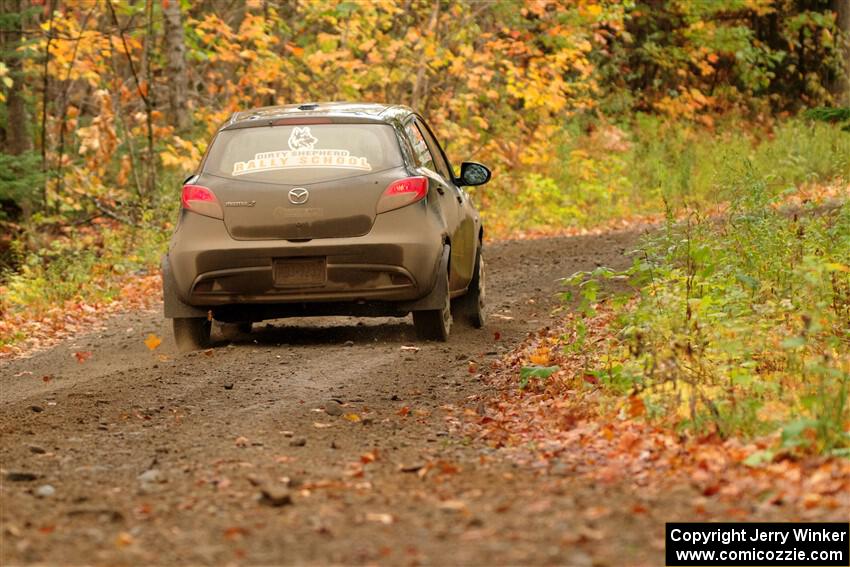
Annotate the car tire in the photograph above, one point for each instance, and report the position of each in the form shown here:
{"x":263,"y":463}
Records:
{"x":192,"y":333}
{"x":435,"y":324}
{"x":472,"y":306}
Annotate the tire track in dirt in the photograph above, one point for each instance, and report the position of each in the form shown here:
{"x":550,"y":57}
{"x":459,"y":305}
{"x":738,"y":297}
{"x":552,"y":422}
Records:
{"x":216,"y":429}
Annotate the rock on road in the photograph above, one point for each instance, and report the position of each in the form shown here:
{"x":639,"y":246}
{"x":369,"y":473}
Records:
{"x":301,"y":443}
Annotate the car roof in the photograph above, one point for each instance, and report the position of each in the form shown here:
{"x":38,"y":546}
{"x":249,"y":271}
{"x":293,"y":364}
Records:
{"x":342,"y":111}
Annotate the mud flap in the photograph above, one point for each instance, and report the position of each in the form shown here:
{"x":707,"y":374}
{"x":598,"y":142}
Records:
{"x":172,"y":304}
{"x":436,"y":298}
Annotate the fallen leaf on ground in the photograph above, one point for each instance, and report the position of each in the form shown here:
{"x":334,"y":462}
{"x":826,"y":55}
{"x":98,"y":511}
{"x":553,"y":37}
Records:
{"x":235,"y":532}
{"x":636,"y":406}
{"x":453,"y":505}
{"x":369,"y":457}
{"x":152,"y":341}
{"x":385,"y":519}
{"x":82,"y":356}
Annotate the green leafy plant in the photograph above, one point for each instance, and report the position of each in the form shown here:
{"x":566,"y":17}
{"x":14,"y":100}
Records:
{"x":833,"y":115}
{"x":535,"y":372}
{"x":740,"y":323}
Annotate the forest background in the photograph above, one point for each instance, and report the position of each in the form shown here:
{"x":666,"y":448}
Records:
{"x":726,"y":119}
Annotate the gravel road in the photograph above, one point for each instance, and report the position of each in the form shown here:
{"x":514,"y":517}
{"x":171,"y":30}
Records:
{"x":314,"y":441}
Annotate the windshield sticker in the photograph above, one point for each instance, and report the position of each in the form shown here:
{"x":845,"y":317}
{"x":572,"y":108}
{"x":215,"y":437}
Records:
{"x":301,"y":139}
{"x":301,"y":155}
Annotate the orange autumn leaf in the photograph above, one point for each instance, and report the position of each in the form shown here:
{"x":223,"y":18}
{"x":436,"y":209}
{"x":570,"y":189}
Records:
{"x":124,"y":539}
{"x":295,"y":50}
{"x":152,"y":341}
{"x":235,"y":532}
{"x":82,"y":356}
{"x":636,"y":407}
{"x":540,"y":358}
{"x":369,"y":457}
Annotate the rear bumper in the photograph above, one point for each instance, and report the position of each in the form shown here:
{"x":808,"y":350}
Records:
{"x":390,"y":263}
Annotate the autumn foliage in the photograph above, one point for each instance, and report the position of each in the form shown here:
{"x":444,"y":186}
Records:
{"x":117,"y":100}
{"x":589,"y":112}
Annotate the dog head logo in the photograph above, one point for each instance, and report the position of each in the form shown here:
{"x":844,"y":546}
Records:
{"x":301,"y":139}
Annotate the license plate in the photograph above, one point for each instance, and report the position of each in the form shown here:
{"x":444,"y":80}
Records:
{"x":299,"y":272}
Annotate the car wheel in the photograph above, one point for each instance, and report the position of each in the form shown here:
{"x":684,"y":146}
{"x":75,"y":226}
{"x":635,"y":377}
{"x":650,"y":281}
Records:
{"x":434,"y":324}
{"x":473,"y":304}
{"x":192,"y":333}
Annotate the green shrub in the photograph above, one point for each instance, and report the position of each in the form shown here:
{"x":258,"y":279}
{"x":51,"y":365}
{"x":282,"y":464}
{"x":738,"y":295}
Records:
{"x":85,"y":266}
{"x":741,"y":324}
{"x":21,"y":180}
{"x":652,"y":165}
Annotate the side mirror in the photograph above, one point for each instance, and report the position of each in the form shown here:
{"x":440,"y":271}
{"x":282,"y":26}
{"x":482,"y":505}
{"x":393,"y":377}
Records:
{"x":472,"y":173}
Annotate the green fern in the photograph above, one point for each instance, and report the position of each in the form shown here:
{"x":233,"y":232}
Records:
{"x":832,"y":115}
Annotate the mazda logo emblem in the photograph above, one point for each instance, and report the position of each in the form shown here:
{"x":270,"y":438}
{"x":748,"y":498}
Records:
{"x":298,"y":196}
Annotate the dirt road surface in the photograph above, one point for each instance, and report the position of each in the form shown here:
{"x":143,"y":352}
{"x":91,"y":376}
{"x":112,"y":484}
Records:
{"x":316,"y":441}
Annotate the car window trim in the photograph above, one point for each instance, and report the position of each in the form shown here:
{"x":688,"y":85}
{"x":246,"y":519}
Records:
{"x":451,"y":178}
{"x":411,"y":123}
{"x":404,"y":145}
{"x":426,"y":133}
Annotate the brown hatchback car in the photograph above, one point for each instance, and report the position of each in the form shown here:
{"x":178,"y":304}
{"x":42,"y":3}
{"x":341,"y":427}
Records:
{"x":325,"y":209}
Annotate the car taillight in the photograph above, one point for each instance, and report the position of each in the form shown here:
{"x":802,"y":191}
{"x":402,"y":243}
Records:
{"x":199,"y":199}
{"x":402,"y":193}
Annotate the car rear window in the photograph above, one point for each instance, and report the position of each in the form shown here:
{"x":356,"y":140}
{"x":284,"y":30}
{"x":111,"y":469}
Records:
{"x":303,"y":153}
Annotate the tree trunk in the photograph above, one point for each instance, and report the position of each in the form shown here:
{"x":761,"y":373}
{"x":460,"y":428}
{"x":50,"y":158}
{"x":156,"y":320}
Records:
{"x":144,"y":90}
{"x":149,"y":99}
{"x":842,"y":16}
{"x":17,"y":135}
{"x":175,"y":49}
{"x":420,"y":85}
{"x":45,"y":96}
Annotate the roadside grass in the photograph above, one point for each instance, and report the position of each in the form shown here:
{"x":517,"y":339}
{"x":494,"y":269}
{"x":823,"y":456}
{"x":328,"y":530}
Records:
{"x":75,"y":274}
{"x":736,"y":326}
{"x":606,"y":171}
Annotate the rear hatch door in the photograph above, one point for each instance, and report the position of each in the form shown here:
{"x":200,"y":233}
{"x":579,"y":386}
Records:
{"x":302,"y":181}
